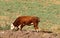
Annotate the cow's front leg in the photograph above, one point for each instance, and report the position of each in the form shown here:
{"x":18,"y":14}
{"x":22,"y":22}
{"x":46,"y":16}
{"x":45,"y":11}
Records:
{"x":21,"y":27}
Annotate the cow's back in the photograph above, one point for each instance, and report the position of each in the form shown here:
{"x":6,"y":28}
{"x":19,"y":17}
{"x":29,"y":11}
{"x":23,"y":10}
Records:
{"x":25,"y":20}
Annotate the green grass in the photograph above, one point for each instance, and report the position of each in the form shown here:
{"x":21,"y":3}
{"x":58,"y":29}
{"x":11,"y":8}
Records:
{"x":45,"y":10}
{"x":5,"y":27}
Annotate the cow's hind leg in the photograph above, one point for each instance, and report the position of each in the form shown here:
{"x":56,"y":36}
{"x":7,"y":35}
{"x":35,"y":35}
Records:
{"x":36,"y":26}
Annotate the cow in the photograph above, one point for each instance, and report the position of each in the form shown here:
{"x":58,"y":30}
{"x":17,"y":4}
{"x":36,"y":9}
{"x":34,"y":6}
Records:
{"x":26,"y":20}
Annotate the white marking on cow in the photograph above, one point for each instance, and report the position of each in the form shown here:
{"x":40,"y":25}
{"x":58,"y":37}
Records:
{"x":31,"y":23}
{"x":12,"y":26}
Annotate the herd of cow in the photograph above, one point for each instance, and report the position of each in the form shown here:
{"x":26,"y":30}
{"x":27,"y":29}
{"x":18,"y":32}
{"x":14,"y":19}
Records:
{"x":25,"y":20}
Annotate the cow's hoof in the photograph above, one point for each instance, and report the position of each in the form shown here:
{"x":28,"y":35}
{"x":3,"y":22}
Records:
{"x":38,"y":30}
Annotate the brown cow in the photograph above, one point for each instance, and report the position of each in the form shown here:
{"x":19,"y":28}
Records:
{"x":26,"y":20}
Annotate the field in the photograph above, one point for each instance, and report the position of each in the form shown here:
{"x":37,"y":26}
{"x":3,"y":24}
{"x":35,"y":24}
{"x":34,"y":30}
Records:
{"x":47,"y":10}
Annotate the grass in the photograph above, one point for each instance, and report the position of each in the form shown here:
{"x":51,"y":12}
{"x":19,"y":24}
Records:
{"x":5,"y":27}
{"x":47,"y":11}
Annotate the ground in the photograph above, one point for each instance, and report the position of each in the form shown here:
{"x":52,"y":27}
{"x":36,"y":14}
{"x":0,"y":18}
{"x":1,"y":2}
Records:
{"x":28,"y":34}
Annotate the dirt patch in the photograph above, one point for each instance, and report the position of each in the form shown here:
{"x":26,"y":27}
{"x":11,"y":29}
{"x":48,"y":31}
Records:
{"x":28,"y":34}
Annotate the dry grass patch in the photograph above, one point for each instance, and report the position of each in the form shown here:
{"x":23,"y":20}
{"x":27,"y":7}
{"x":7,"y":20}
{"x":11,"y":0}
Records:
{"x":57,"y":2}
{"x":4,"y":18}
{"x":55,"y":28}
